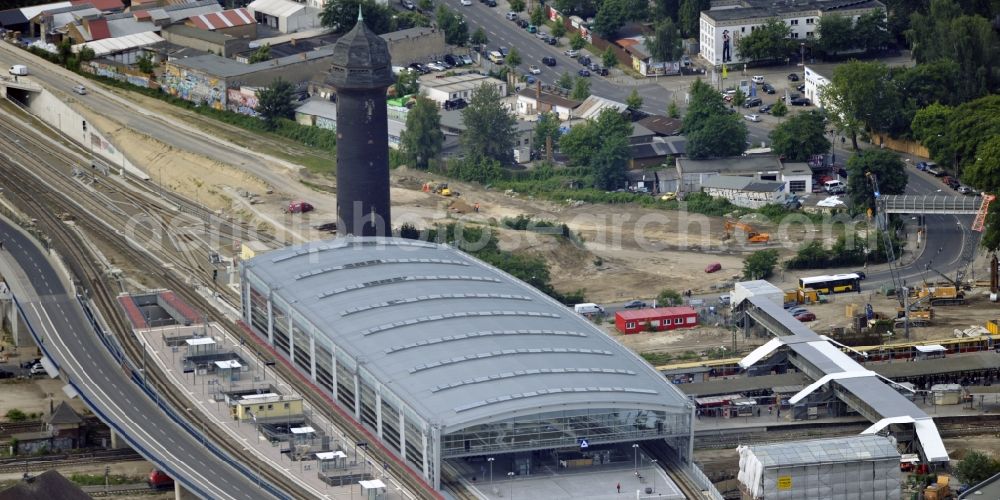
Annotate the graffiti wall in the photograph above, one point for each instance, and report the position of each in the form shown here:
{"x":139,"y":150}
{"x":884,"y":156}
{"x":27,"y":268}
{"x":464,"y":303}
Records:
{"x":242,"y":100}
{"x":194,"y":86}
{"x":120,"y":73}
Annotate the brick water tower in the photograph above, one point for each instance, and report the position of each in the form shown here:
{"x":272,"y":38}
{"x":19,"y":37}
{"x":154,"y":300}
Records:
{"x":361,"y":73}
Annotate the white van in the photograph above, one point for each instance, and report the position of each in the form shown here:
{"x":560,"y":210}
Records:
{"x":834,"y":187}
{"x":19,"y":70}
{"x":588,"y":308}
{"x":496,"y":57}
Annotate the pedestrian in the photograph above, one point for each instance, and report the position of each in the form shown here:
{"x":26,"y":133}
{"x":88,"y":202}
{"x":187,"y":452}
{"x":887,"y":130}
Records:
{"x":476,"y":208}
{"x":619,"y":487}
{"x":758,"y":411}
{"x":779,"y":414}
{"x":770,"y":409}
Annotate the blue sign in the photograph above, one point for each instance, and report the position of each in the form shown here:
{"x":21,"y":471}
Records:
{"x":584,"y":443}
{"x":869,"y":312}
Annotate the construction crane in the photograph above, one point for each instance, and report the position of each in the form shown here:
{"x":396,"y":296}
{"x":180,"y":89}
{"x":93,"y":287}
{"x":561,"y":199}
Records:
{"x":752,"y":235}
{"x":882,"y":226}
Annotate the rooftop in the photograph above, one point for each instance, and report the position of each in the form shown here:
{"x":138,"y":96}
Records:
{"x":742,"y":184}
{"x":825,"y":451}
{"x":276,"y":8}
{"x":593,"y":105}
{"x":750,"y":164}
{"x":316,"y":106}
{"x":764,"y":9}
{"x":665,"y":146}
{"x":662,"y":125}
{"x":547,"y":98}
{"x":228,"y":68}
{"x":108,"y":46}
{"x":225,"y":19}
{"x":460,"y":341}
{"x":656,"y":312}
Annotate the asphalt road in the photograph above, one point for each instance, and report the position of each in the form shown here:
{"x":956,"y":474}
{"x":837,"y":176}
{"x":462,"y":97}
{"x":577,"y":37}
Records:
{"x":80,"y":355}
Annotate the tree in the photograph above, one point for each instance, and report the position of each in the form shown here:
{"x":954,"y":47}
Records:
{"x":517,"y":5}
{"x":263,"y":53}
{"x":739,"y":98}
{"x":871,"y":31}
{"x":513,"y":58}
{"x":558,"y":29}
{"x":722,"y":136}
{"x":456,"y":30}
{"x":970,"y":125}
{"x":769,"y":42}
{"x":408,"y":19}
{"x":634,"y":100}
{"x":342,"y":15}
{"x":760,"y":264}
{"x":611,"y":162}
{"x":565,"y":81}
{"x":862,"y":98}
{"x":581,"y":89}
{"x":582,"y":8}
{"x":665,"y":44}
{"x":610,"y":18}
{"x":407,"y":83}
{"x":984,"y":174}
{"x":490,"y":126}
{"x":665,"y":9}
{"x":145,"y":63}
{"x":547,"y":133}
{"x":976,"y":467}
{"x":704,"y":103}
{"x":800,"y":136}
{"x":836,"y":34}
{"x":689,"y":16}
{"x":668,"y":297}
{"x":426,"y":5}
{"x":479,"y":37}
{"x":672,"y":109}
{"x":537,"y":15}
{"x":422,"y":139}
{"x":86,"y":54}
{"x":779,"y":109}
{"x":930,"y":127}
{"x":576,"y":41}
{"x":582,"y":142}
{"x":609,"y":59}
{"x":275,"y":102}
{"x":887,"y":167}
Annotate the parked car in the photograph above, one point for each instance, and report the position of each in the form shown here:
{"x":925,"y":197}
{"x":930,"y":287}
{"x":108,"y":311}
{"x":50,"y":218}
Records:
{"x":752,"y":118}
{"x":602,"y":71}
{"x":6,"y":374}
{"x":801,"y":88}
{"x":298,"y":207}
{"x":466,"y":2}
{"x":408,"y":4}
{"x":966,"y":190}
{"x":466,"y":60}
{"x":29,"y":364}
{"x":768,"y":88}
{"x":758,"y":79}
{"x":450,"y":61}
{"x":801,"y":101}
{"x":491,"y":3}
{"x":541,"y":35}
{"x":572,"y":53}
{"x":765,"y":108}
{"x":806,"y":317}
{"x":37,"y":370}
{"x":458,"y":103}
{"x":534,"y":70}
{"x":584,"y":60}
{"x":420,"y":68}
{"x":436,"y":66}
{"x":551,"y":40}
{"x":636,"y":304}
{"x":753,"y":102}
{"x":951,"y":182}
{"x":532,"y":28}
{"x":792,"y":77}
{"x":549,"y":61}
{"x":523,"y":23}
{"x":530,"y":80}
{"x":725,"y":299}
{"x":504,"y":51}
{"x":713,"y":267}
{"x":588,"y":308}
{"x":583,"y":72}
{"x":512,"y":16}
{"x":795,"y":311}
{"x":921,"y":165}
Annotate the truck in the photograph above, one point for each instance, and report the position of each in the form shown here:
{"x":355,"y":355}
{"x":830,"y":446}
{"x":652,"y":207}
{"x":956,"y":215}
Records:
{"x":18,"y":70}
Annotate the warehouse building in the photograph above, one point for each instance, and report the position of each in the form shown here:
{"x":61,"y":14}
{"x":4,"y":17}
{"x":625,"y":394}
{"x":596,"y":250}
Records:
{"x":442,"y":356}
{"x":865,"y":466}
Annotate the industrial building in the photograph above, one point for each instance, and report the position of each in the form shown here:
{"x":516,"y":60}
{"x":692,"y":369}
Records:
{"x":844,"y":468}
{"x":443,"y":356}
{"x":655,"y":319}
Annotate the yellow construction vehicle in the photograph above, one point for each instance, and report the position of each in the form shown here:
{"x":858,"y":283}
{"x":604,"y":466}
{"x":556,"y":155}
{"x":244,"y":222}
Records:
{"x":752,"y":235}
{"x":442,"y":189}
{"x":938,"y":295}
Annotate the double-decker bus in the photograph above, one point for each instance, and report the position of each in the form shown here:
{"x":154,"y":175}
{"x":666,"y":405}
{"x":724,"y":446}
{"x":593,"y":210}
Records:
{"x":834,"y":283}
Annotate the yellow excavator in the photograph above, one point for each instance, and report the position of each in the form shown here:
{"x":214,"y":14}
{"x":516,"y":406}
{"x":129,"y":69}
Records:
{"x":752,"y":235}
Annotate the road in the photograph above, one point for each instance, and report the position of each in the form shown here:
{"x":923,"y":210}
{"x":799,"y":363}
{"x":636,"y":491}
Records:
{"x":65,"y":333}
{"x":181,"y":136}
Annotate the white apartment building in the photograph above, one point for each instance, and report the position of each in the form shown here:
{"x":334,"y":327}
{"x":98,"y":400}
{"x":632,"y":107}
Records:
{"x":729,"y":20}
{"x":814,"y":87}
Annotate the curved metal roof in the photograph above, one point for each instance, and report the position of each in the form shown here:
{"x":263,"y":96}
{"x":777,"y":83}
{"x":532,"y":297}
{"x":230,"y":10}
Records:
{"x":460,"y":341}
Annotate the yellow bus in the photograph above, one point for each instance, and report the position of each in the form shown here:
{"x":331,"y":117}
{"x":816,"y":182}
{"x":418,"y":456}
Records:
{"x":835,"y":283}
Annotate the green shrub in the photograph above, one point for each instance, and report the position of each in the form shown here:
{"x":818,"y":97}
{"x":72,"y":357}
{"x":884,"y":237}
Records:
{"x":16,"y":415}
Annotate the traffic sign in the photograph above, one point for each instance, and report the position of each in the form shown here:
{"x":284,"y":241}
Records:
{"x":584,"y":443}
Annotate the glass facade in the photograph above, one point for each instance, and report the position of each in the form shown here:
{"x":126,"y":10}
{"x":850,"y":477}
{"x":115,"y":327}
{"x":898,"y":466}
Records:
{"x":324,"y":366}
{"x":564,"y":428}
{"x":258,"y":311}
{"x":303,"y":359}
{"x":280,"y":325}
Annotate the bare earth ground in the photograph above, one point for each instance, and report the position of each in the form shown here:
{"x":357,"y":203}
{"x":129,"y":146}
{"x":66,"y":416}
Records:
{"x":32,"y":396}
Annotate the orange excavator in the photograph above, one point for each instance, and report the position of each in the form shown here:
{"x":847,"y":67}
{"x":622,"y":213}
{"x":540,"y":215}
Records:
{"x":752,"y":235}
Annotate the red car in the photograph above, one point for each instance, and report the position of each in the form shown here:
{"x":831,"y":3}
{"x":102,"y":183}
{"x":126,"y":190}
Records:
{"x":297,"y":207}
{"x":713,"y":267}
{"x":806,"y":316}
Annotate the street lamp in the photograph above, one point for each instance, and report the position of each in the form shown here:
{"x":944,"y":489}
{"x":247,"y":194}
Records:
{"x":802,"y":54}
{"x":653,"y":473}
{"x":510,"y":491}
{"x":490,"y":460}
{"x":635,"y":453}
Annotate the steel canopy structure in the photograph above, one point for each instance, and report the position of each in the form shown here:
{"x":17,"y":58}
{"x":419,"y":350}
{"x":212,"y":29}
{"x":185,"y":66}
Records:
{"x":863,"y":390}
{"x":442,"y":355}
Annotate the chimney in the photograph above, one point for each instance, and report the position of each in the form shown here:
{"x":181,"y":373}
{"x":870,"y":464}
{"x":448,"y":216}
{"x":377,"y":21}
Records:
{"x":538,"y":90}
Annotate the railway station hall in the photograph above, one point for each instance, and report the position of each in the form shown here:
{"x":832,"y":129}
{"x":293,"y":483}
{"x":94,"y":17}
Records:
{"x":444,"y":357}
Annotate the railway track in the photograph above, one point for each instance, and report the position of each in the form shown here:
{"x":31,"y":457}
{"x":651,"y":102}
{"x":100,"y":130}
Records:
{"x":665,"y":459}
{"x":42,"y":202}
{"x":45,"y":462}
